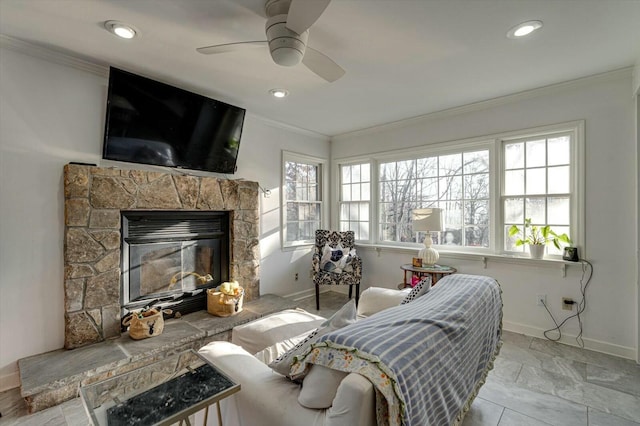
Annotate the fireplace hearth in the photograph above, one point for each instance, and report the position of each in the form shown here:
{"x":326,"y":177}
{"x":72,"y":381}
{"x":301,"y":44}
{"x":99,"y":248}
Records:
{"x":96,"y":199}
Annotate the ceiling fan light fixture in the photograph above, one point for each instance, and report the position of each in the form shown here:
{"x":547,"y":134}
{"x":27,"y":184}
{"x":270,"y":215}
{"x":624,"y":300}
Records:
{"x":121,"y":29}
{"x":287,"y":48}
{"x":524,"y":29}
{"x":279,"y":93}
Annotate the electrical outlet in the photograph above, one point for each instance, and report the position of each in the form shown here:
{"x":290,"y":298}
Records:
{"x":567,"y":303}
{"x":541,"y":299}
{"x":296,"y":277}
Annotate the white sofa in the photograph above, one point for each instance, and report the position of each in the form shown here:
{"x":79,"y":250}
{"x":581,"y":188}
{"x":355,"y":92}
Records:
{"x":268,"y":398}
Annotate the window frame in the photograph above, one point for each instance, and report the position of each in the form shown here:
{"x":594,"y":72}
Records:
{"x":323,"y":176}
{"x":577,"y":182}
{"x":338,"y":194}
{"x":494,"y":143}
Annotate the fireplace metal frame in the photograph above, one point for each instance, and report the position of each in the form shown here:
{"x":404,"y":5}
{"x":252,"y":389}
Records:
{"x":179,"y":300}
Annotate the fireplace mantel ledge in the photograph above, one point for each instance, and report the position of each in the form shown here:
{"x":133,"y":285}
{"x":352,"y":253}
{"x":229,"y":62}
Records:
{"x":52,"y":378}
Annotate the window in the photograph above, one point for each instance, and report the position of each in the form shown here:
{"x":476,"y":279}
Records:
{"x":355,"y":196}
{"x":484,"y":185}
{"x":457,"y":182}
{"x":302,"y":198}
{"x":537,"y":185}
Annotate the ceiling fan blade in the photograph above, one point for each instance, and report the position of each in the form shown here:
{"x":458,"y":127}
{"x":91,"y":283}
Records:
{"x":322,"y":65}
{"x":303,"y":13}
{"x":230,"y":47}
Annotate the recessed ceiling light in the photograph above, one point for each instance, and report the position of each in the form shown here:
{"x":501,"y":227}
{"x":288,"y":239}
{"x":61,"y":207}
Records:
{"x":524,"y":29}
{"x":279,"y":93}
{"x":121,"y":29}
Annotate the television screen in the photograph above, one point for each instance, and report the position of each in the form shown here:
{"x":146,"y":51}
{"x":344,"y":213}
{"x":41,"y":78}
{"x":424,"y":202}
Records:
{"x":154,"y":123}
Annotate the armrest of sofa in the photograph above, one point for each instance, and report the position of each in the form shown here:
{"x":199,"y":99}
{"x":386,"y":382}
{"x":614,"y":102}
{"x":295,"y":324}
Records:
{"x":257,"y":335}
{"x":267,"y":398}
{"x":354,"y":403}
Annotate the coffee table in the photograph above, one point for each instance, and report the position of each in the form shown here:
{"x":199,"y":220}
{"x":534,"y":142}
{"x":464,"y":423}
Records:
{"x":162,"y":393}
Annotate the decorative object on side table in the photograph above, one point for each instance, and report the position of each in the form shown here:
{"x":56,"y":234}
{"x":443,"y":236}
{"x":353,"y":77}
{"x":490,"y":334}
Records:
{"x":537,"y":238}
{"x":162,"y":393}
{"x":434,"y":271}
{"x":428,"y":220}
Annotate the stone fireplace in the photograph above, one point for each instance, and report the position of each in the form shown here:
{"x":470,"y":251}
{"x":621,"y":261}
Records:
{"x":95,"y":200}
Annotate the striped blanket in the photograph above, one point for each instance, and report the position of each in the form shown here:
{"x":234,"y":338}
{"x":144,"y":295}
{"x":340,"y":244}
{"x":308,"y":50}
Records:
{"x":427,"y":359}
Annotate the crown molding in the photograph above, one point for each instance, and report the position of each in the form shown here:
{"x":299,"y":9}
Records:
{"x":53,"y":55}
{"x":288,"y":127}
{"x":70,"y":60}
{"x":626,"y":72}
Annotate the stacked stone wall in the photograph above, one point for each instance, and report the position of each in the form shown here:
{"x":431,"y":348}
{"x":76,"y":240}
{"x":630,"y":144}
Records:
{"x":94,"y":197}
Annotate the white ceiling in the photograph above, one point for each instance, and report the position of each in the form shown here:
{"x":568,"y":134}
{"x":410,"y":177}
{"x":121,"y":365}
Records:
{"x":403,"y":58}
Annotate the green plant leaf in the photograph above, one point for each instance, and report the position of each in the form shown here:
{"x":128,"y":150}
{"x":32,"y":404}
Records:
{"x":545,"y":231}
{"x":513,"y":230}
{"x":564,"y":238}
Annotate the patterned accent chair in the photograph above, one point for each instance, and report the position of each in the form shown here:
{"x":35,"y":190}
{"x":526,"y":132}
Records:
{"x":349,"y":277}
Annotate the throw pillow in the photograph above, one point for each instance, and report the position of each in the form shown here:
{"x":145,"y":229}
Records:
{"x":421,"y":288}
{"x":345,"y":316}
{"x":320,"y":386}
{"x":336,"y":259}
{"x":271,"y":353}
{"x":375,"y":299}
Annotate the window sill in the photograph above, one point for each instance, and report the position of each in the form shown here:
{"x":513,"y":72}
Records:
{"x":485,"y":258}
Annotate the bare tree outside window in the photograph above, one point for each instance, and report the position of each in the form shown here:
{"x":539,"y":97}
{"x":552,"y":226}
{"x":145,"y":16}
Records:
{"x":458,"y":183}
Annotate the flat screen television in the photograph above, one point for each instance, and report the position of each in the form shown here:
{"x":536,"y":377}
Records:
{"x":150,"y":122}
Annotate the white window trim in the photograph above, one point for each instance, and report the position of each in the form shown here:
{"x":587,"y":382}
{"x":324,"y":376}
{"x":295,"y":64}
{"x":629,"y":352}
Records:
{"x":324,"y":186}
{"x":494,"y":144}
{"x":337,"y":191}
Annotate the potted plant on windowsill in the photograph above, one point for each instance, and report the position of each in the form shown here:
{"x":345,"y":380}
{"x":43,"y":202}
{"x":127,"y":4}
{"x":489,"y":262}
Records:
{"x":537,"y":238}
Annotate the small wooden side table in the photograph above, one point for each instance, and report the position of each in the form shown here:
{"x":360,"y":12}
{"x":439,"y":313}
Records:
{"x":436,"y":272}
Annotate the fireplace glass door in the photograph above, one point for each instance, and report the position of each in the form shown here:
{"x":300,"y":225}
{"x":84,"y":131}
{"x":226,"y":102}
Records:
{"x":173,"y":257}
{"x":160,"y":269}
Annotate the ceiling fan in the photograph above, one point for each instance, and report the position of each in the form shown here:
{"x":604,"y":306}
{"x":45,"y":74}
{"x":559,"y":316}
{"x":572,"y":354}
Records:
{"x":287,"y":31}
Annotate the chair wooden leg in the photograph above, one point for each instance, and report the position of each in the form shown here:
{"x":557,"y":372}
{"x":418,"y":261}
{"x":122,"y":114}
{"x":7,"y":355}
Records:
{"x":317,"y":297}
{"x":357,"y":294}
{"x":350,"y":291}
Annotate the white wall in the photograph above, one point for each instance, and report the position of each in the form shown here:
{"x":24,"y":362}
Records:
{"x":608,"y":110}
{"x":51,"y":114}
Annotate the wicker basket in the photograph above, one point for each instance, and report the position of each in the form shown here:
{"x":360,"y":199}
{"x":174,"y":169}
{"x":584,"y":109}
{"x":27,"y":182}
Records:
{"x":224,"y":305}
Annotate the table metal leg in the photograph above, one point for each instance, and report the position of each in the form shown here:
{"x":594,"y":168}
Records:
{"x":206,"y":416}
{"x":219,"y":413}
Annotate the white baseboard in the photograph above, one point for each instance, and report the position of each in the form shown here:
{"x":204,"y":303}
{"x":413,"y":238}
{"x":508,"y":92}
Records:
{"x":594,"y":345}
{"x":9,"y":381}
{"x":306,"y":293}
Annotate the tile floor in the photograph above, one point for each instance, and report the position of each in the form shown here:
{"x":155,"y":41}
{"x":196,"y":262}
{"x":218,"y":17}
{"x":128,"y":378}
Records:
{"x":534,"y":382}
